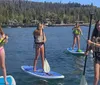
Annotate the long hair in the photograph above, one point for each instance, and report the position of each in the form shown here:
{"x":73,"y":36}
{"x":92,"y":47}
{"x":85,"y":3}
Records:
{"x":38,"y":26}
{"x":77,"y":25}
{"x":1,"y":31}
{"x":95,"y":32}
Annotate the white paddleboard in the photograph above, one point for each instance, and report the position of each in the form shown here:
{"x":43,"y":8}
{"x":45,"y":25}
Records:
{"x":10,"y":80}
{"x":74,"y":51}
{"x":39,"y":73}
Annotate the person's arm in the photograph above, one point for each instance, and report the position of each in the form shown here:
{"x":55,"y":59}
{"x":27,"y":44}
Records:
{"x":34,"y":32}
{"x":44,"y":38}
{"x":81,"y":31}
{"x":6,"y":38}
{"x":34,"y":36}
{"x":90,"y":47}
{"x":93,"y":43}
{"x":34,"y":45}
{"x":73,"y":28}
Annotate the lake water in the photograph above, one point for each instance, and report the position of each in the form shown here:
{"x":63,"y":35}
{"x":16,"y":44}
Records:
{"x":20,"y":51}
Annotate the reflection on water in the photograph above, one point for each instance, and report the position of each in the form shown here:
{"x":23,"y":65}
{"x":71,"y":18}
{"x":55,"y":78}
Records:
{"x":40,"y":82}
{"x":79,"y":66}
{"x":79,"y":63}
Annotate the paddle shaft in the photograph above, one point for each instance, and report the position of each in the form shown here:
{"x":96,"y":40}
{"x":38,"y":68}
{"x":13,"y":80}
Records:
{"x":44,"y":51}
{"x":84,"y":38}
{"x":87,"y":44}
{"x":44,"y":44}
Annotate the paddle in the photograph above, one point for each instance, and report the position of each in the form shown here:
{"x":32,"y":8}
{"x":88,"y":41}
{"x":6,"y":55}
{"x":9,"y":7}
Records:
{"x":83,"y":79}
{"x":46,"y":64}
{"x":84,"y":37}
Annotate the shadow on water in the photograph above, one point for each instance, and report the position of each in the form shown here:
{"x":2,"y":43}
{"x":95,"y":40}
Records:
{"x":78,"y":63}
{"x":38,"y":81}
{"x":79,"y":66}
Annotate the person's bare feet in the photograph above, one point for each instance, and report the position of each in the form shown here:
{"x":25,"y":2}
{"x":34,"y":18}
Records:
{"x":6,"y":83}
{"x":34,"y":69}
{"x":49,"y":74}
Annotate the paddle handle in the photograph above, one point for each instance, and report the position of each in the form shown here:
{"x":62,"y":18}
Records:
{"x":91,"y":15}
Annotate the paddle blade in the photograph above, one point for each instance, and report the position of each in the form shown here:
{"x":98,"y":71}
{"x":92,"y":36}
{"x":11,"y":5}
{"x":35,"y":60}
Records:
{"x":83,"y":81}
{"x":46,"y":66}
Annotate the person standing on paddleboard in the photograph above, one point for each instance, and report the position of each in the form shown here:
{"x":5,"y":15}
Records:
{"x":39,"y":40}
{"x":94,"y":44}
{"x":3,"y":40}
{"x":76,"y":36}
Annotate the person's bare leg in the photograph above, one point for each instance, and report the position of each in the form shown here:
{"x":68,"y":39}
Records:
{"x":2,"y":64}
{"x":96,"y":73}
{"x":74,"y":42}
{"x":42,"y":55}
{"x":78,"y":42}
{"x":37,"y":53}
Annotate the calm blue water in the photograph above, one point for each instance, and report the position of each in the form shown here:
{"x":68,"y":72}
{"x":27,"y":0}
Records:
{"x":20,"y":51}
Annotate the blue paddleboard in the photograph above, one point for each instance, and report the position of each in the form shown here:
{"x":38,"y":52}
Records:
{"x":39,"y":73}
{"x":10,"y":80}
{"x":74,"y":51}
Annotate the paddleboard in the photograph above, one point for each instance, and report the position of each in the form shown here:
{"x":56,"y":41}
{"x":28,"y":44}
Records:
{"x":10,"y":80}
{"x":41,"y":74}
{"x":74,"y":51}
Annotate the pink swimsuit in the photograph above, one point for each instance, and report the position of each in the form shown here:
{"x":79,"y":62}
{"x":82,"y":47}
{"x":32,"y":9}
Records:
{"x":39,"y":45}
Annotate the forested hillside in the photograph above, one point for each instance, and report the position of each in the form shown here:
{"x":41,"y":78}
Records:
{"x":24,"y":11}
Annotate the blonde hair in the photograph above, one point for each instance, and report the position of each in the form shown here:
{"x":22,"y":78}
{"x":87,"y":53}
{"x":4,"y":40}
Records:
{"x":37,"y":31}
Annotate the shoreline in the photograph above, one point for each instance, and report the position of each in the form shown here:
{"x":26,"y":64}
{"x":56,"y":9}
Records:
{"x":53,"y":25}
{"x":56,"y":25}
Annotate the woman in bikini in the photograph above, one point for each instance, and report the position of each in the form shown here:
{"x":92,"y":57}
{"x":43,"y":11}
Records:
{"x":39,"y":40}
{"x":3,"y":40}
